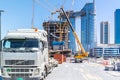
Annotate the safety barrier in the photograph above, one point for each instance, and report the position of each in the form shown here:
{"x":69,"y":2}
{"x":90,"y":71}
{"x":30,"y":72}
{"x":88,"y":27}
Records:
{"x":105,"y":62}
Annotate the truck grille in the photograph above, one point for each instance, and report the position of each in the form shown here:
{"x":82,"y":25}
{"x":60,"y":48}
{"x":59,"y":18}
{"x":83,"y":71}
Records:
{"x":19,"y":62}
{"x":20,"y":75}
{"x":19,"y":70}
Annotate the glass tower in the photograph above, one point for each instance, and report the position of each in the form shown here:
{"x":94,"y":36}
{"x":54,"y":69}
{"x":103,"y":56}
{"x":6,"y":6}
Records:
{"x":72,"y":44}
{"x":104,"y":32}
{"x":88,"y":29}
{"x":117,"y":26}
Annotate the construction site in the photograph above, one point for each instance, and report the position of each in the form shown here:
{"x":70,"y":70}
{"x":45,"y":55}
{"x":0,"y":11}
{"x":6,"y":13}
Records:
{"x":64,"y":46}
{"x":58,"y":37}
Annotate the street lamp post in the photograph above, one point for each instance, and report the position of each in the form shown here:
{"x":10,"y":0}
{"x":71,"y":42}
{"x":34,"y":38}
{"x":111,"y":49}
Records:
{"x":0,"y":29}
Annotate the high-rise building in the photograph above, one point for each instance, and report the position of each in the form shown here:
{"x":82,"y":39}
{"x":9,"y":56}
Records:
{"x":88,"y":29}
{"x":117,"y":26}
{"x":104,"y":32}
{"x":87,"y":33}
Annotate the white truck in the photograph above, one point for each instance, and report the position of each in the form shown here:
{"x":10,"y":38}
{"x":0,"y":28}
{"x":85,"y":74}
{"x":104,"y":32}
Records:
{"x":24,"y":55}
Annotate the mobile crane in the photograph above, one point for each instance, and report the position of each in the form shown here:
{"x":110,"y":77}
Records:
{"x":81,"y":52}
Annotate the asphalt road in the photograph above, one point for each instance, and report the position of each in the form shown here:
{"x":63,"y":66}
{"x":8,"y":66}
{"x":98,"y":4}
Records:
{"x":82,"y":71}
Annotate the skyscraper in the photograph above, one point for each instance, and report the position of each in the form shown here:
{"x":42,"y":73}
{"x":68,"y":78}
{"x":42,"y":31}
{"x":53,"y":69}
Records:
{"x":88,"y":29}
{"x":117,"y":26}
{"x":87,"y":33}
{"x":104,"y":32}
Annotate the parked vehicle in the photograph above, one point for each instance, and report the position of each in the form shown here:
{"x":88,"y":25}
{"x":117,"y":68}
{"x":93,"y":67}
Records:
{"x":24,"y":55}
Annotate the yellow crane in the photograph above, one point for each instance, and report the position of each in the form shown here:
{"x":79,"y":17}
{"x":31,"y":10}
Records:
{"x":81,"y":52}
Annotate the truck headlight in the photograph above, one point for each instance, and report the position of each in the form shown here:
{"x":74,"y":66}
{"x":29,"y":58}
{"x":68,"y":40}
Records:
{"x":37,"y":71}
{"x":3,"y":71}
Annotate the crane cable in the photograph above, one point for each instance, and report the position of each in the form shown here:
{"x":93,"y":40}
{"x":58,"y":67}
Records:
{"x":33,"y":11}
{"x":48,"y":9}
{"x":73,"y":3}
{"x":49,"y":4}
{"x":53,"y":7}
{"x":39,"y":3}
{"x":63,"y":3}
{"x":32,"y":23}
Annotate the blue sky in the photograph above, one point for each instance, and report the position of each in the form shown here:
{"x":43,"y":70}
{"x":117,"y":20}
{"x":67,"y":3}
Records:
{"x":18,"y":13}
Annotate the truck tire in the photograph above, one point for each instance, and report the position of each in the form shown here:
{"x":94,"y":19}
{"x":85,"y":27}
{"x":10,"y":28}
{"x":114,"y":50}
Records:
{"x":44,"y":74}
{"x":46,"y":71}
{"x":42,"y":79}
{"x":81,"y":61}
{"x":76,"y":61}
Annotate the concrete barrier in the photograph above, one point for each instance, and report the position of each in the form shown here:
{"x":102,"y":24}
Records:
{"x":105,"y":62}
{"x":118,"y":66}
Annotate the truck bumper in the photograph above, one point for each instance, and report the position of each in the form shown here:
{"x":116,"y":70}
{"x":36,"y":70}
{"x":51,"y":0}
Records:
{"x":21,"y":78}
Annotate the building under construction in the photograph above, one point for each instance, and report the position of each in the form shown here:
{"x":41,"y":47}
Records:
{"x":57,"y":37}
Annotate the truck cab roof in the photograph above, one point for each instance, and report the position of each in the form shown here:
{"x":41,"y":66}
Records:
{"x":27,"y":33}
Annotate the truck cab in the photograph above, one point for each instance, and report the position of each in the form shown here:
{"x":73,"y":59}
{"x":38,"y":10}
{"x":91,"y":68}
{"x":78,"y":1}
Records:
{"x":24,"y":55}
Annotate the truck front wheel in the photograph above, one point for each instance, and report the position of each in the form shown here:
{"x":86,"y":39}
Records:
{"x":46,"y":72}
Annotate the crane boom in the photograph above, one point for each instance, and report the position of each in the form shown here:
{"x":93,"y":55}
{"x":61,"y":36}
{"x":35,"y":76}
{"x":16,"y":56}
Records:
{"x":83,"y":53}
{"x":75,"y":34}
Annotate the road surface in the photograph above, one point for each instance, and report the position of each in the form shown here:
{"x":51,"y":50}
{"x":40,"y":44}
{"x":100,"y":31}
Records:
{"x":82,"y":71}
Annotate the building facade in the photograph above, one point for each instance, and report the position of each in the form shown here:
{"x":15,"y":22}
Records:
{"x":87,"y":33}
{"x":106,"y":51}
{"x":88,"y":29}
{"x":57,"y":37}
{"x":117,"y":26}
{"x":72,"y":41}
{"x":104,"y":32}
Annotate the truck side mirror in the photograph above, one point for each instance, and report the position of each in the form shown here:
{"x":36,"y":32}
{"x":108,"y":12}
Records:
{"x":45,"y":44}
{"x":1,"y":45}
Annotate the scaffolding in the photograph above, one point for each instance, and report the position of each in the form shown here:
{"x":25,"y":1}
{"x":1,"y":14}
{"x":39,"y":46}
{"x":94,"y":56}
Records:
{"x":57,"y":32}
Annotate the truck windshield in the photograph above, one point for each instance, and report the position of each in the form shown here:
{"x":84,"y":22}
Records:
{"x":20,"y":43}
